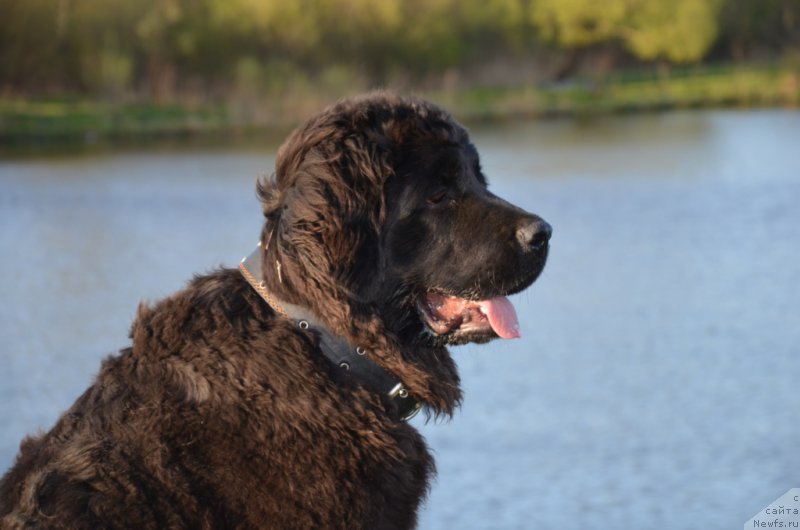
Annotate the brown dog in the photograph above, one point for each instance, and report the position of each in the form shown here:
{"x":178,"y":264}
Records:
{"x":275,"y":396}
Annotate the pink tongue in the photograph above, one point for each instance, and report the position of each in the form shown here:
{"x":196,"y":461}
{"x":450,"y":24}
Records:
{"x":502,"y":317}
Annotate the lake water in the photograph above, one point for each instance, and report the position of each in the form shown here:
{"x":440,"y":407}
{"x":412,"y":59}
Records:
{"x":657,"y":379}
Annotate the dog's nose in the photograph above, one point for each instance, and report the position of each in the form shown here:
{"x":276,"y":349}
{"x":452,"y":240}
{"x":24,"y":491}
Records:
{"x":534,"y":234}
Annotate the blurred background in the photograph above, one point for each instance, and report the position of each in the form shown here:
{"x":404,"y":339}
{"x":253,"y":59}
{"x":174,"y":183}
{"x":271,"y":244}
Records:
{"x":656,"y":379}
{"x":121,"y":68}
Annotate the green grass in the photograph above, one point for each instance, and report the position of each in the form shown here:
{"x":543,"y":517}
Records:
{"x":24,"y":121}
{"x":638,"y":91}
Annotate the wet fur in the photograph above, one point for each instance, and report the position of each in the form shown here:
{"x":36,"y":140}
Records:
{"x":221,"y":414}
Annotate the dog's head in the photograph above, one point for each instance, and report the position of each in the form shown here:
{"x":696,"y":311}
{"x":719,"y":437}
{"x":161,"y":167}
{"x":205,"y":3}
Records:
{"x":380,"y":218}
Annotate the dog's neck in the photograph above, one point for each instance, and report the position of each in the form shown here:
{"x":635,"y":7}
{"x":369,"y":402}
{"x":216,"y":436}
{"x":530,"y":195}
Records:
{"x":352,"y":361}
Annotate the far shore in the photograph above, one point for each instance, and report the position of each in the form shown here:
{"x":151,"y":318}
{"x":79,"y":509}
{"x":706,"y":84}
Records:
{"x":76,"y":120}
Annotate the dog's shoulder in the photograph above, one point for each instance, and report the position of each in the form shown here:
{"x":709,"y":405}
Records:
{"x":218,"y":399}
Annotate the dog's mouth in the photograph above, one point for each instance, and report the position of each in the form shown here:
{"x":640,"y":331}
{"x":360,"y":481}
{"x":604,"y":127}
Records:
{"x":447,"y":315}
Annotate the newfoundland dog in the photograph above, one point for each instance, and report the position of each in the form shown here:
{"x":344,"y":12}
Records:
{"x":276,"y":395}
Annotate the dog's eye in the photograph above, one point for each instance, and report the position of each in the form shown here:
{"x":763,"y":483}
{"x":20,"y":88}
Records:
{"x":437,"y":197}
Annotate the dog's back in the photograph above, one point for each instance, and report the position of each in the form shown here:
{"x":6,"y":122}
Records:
{"x":217,"y":417}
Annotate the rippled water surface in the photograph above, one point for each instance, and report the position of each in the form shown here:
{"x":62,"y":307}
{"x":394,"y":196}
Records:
{"x":658,"y":379}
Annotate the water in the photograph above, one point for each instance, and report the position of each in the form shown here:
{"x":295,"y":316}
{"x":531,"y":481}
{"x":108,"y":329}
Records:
{"x":657,"y":380}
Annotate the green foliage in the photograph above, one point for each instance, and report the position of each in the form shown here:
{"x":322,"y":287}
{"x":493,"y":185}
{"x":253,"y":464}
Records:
{"x":575,"y":23}
{"x":159,"y":49}
{"x":682,"y":30}
{"x":678,"y":30}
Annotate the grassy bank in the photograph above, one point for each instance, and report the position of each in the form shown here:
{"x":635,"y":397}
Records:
{"x":636,"y":92}
{"x":26,"y":121}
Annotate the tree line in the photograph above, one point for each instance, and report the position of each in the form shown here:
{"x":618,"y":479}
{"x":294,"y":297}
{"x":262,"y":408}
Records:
{"x":210,"y":48}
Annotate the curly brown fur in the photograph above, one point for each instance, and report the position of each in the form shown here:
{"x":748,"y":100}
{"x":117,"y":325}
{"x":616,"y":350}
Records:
{"x":222,"y":414}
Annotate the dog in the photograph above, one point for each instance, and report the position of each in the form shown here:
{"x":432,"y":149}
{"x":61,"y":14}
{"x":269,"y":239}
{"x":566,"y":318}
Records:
{"x":276,"y":395}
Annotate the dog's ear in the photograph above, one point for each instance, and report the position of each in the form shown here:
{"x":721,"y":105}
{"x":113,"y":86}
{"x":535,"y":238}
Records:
{"x":326,"y":205}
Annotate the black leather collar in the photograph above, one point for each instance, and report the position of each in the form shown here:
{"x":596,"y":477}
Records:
{"x":352,"y":361}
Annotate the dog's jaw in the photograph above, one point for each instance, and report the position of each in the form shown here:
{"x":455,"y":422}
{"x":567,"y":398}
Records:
{"x":457,"y":317}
